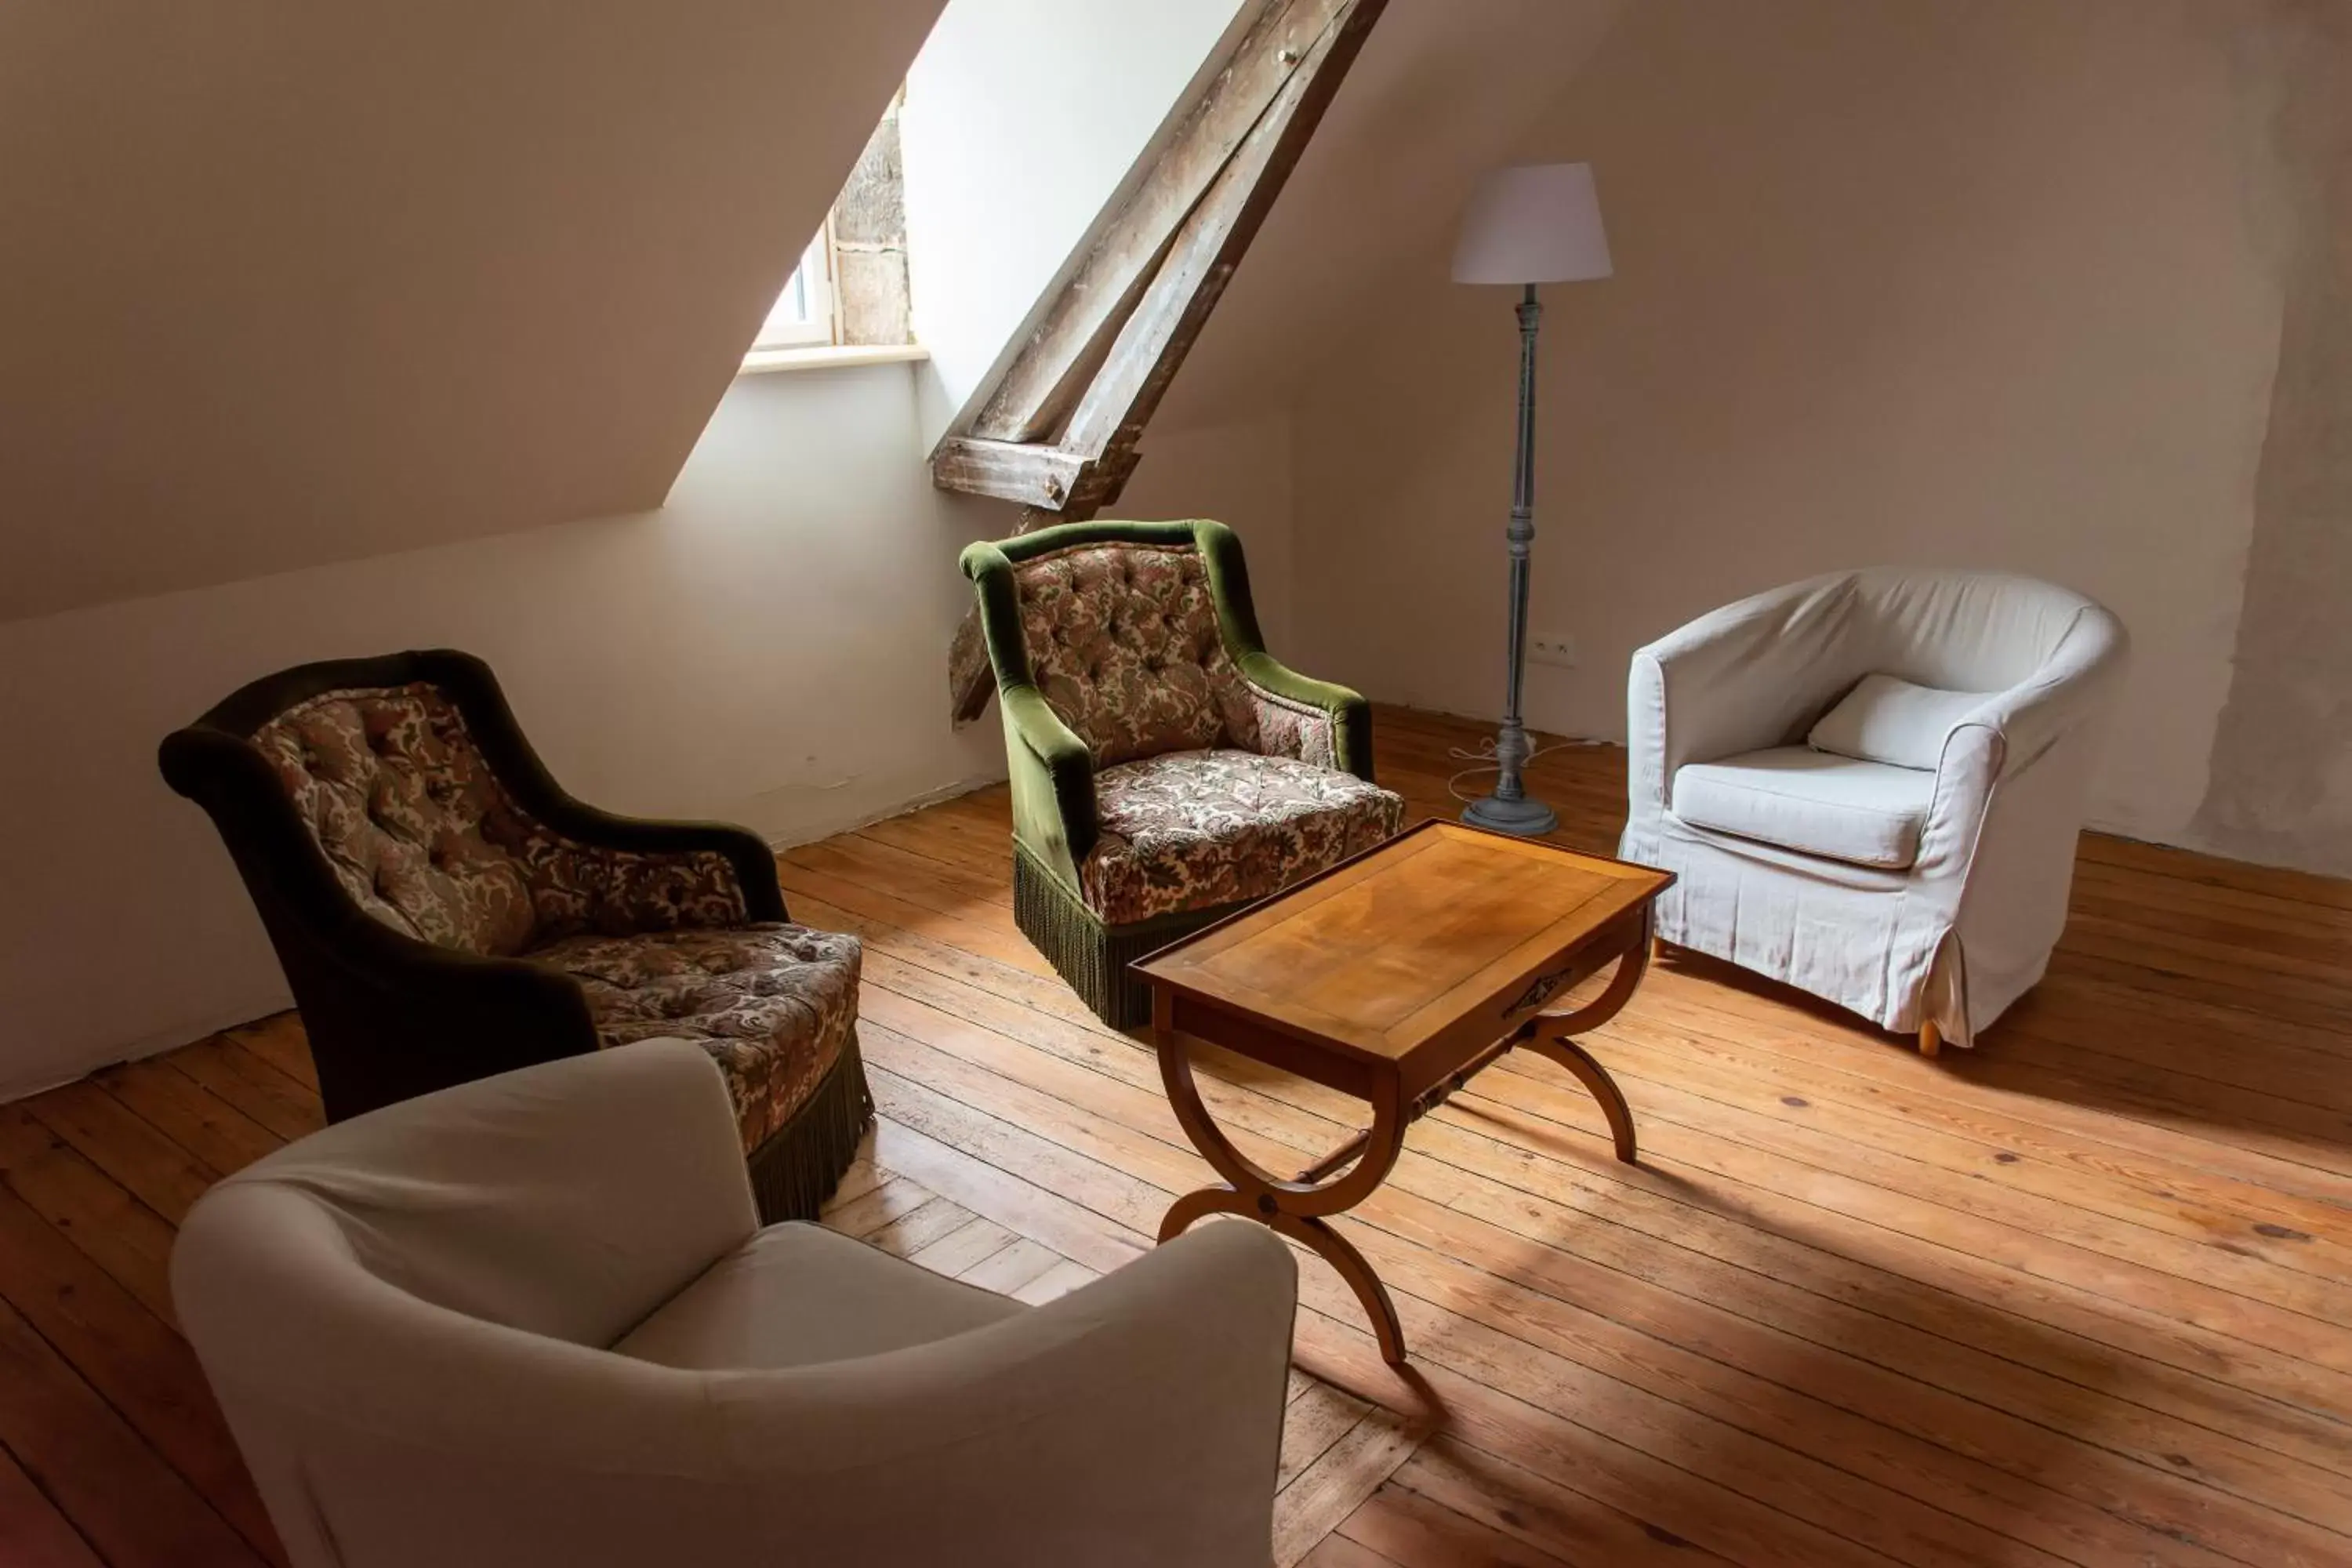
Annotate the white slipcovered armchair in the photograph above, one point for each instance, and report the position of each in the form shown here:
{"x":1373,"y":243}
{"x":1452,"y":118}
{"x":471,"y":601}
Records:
{"x":534,"y":1319}
{"x":1926,"y":899}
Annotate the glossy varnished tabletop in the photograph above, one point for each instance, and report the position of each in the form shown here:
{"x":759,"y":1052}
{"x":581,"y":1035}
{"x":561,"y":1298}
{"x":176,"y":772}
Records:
{"x":1415,"y":954}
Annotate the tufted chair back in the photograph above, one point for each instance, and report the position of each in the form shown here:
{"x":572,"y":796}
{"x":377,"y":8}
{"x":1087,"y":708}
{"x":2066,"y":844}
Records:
{"x":396,"y":794}
{"x":1123,"y":640}
{"x":419,"y":831}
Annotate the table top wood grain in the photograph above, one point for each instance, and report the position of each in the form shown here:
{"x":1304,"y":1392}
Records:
{"x":1386,"y":958}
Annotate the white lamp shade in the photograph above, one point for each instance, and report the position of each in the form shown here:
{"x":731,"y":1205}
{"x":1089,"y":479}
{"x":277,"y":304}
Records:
{"x":1535,"y":223}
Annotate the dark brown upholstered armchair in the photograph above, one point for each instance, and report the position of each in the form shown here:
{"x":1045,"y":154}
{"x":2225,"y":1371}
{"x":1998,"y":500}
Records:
{"x":444,"y":911}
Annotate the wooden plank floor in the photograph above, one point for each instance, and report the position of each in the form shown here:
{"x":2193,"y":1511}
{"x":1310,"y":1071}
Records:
{"x":2081,"y":1296}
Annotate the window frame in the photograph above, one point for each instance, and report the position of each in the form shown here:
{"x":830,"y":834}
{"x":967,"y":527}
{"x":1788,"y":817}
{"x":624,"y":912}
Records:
{"x":820,"y":326}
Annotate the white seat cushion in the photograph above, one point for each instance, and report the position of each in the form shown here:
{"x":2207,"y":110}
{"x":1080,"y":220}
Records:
{"x":1866,"y":813}
{"x":797,"y":1294}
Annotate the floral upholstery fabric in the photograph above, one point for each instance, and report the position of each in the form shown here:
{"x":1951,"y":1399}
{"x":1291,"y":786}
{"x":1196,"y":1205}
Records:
{"x":1282,"y":727}
{"x":1191,"y":830}
{"x":1124,"y":644}
{"x":772,"y":1002}
{"x":425,"y":839}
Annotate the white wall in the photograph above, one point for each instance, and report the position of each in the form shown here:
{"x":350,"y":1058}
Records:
{"x":1022,"y":119}
{"x":1965,"y":284}
{"x":767,"y":650}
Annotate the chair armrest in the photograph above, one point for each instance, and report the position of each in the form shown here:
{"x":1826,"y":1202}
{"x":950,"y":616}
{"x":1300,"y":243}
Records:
{"x":2067,"y":693}
{"x":744,"y":869}
{"x":1053,"y":776}
{"x":751,"y":865}
{"x":1137,"y":1420}
{"x":1313,"y":721}
{"x":2018,"y":731}
{"x":1736,"y":680}
{"x":1052,"y":773}
{"x":425,"y":1018}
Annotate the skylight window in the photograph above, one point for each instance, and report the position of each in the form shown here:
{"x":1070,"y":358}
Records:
{"x":804,"y":314}
{"x":851,"y":285}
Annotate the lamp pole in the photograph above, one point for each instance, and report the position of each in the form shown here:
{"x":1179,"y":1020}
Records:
{"x":1510,"y":809}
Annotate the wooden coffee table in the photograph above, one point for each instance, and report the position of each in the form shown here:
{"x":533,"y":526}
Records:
{"x":1395,"y":977}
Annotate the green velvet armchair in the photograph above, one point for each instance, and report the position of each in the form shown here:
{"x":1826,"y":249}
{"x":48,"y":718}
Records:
{"x":1166,"y":770}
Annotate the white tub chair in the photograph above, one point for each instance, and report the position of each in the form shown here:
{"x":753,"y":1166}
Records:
{"x":533,"y":1319}
{"x":1924,"y":897}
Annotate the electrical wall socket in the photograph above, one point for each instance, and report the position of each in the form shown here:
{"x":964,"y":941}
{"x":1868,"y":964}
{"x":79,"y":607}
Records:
{"x":1552,"y":647}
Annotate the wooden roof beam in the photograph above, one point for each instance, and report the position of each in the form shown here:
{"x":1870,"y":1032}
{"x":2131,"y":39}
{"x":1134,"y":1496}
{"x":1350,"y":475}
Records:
{"x":1043,"y":384}
{"x":1033,"y":474}
{"x":1058,"y":430}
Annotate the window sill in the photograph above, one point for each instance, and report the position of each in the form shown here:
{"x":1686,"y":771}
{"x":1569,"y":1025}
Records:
{"x":830,"y":356}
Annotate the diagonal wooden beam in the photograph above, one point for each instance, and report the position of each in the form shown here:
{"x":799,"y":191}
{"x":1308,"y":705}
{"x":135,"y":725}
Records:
{"x":1058,"y":431}
{"x":1042,"y":383}
{"x":1009,"y":470}
{"x":1155,"y":337}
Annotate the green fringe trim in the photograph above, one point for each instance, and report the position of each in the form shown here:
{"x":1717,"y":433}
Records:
{"x":800,"y":1165}
{"x":1092,"y":956}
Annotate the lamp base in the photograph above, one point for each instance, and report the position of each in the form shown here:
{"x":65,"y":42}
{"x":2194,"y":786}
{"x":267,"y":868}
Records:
{"x":1526,"y":816}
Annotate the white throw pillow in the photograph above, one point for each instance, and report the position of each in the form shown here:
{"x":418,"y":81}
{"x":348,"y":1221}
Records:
{"x":1884,"y":720}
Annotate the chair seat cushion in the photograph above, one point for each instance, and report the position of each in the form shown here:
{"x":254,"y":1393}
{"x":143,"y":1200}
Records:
{"x":1192,"y":830}
{"x":799,"y":1295}
{"x":1866,"y":813}
{"x":772,"y":1002}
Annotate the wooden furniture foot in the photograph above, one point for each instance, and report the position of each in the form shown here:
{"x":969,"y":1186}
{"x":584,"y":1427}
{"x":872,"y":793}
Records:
{"x":1314,"y":1235}
{"x":1931,"y":1039}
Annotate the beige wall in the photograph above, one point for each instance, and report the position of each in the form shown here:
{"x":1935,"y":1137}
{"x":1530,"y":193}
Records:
{"x":1992,"y":283}
{"x":282,"y":284}
{"x":766,"y":648}
{"x":1441,"y":92}
{"x":2282,"y":778}
{"x":1967,"y":284}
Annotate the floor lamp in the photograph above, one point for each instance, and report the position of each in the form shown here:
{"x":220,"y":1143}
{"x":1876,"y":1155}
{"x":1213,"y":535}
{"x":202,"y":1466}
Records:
{"x":1538,"y":223}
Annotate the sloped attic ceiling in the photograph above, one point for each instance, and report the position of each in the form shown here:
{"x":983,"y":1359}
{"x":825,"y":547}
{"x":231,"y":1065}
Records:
{"x":1442,"y":93}
{"x":283,"y":283}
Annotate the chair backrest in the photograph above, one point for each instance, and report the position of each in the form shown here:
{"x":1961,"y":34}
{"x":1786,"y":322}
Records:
{"x":397,"y":796}
{"x":406,"y":1320}
{"x":1953,"y":629}
{"x":404,"y":1317}
{"x":392,"y":769}
{"x":1123,"y":639}
{"x":1967,"y":631}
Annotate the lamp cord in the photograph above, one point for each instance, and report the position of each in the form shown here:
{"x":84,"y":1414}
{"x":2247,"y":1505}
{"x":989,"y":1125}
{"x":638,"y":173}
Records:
{"x":1486,"y":763}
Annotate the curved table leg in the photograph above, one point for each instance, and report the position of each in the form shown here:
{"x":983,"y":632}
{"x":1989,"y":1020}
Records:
{"x":1550,"y":1036}
{"x":1567,"y":1054}
{"x":1317,"y":1236}
{"x":1292,"y":1208}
